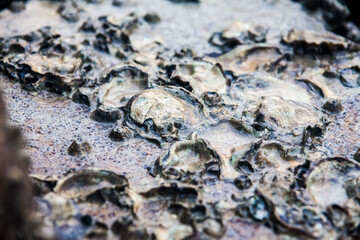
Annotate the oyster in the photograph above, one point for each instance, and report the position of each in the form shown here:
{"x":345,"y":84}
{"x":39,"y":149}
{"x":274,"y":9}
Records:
{"x":305,"y":41}
{"x":81,"y":184}
{"x":239,"y":33}
{"x":86,"y":202}
{"x":165,"y":113}
{"x":122,"y":84}
{"x":273,"y":113}
{"x":247,"y":58}
{"x":275,"y":154}
{"x":225,"y":135}
{"x":177,"y":212}
{"x":226,"y":184}
{"x":64,"y":67}
{"x":85,"y":95}
{"x":189,"y":159}
{"x":265,"y":155}
{"x":330,"y":176}
{"x":290,"y":211}
{"x":251,"y":86}
{"x":198,"y":77}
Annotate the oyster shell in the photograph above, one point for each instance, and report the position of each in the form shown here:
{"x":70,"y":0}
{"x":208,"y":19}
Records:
{"x":54,"y":73}
{"x":239,"y":33}
{"x":251,"y":86}
{"x":198,"y":77}
{"x":289,"y":211}
{"x":189,"y":159}
{"x":165,"y":113}
{"x":82,"y":183}
{"x":273,"y":113}
{"x":330,"y":176}
{"x":247,"y":58}
{"x":305,"y":41}
{"x":275,"y":154}
{"x":122,"y":84}
{"x":264,"y":155}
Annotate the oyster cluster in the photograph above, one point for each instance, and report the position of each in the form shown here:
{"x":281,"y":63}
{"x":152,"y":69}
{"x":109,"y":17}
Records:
{"x":255,"y":119}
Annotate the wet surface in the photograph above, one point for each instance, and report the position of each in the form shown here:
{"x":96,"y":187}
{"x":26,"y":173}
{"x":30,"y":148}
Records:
{"x":264,"y":106}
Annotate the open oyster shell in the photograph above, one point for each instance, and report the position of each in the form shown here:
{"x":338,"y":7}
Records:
{"x":198,"y":77}
{"x":273,"y":113}
{"x":164,"y":113}
{"x":189,"y":161}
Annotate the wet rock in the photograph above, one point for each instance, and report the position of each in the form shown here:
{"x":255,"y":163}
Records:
{"x":16,"y":210}
{"x":79,"y":148}
{"x":88,"y":26}
{"x":333,"y":106}
{"x":152,"y":18}
{"x":17,"y":7}
{"x":104,"y":114}
{"x":117,"y":3}
{"x":69,"y":12}
{"x":120,"y":133}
